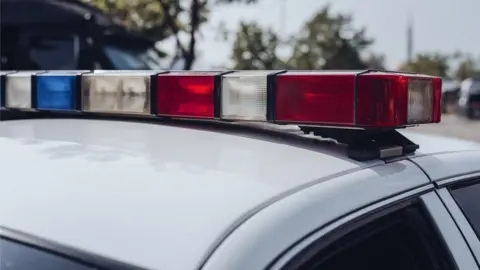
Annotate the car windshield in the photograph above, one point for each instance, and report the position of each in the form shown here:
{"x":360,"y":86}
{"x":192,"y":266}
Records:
{"x":133,"y":59}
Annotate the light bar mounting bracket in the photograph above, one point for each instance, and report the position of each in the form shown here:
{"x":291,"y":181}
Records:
{"x":367,"y":144}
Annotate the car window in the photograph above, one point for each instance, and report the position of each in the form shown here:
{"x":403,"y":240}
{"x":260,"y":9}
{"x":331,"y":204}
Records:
{"x":57,"y":52}
{"x":466,"y":197}
{"x":397,"y":241}
{"x":136,"y":59}
{"x":15,"y":256}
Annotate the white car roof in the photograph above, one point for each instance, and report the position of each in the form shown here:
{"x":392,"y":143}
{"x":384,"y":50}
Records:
{"x":141,"y":192}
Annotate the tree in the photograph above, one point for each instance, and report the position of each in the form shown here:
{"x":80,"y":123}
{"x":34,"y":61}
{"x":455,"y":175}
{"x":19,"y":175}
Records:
{"x":375,"y":61}
{"x":162,"y":19}
{"x":467,"y":67}
{"x":327,"y":41}
{"x":237,"y":1}
{"x":146,"y":17}
{"x":256,"y":48}
{"x":434,"y":64}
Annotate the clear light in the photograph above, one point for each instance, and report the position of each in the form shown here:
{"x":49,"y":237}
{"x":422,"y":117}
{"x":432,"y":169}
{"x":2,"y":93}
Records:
{"x":18,"y":90}
{"x":420,"y":100}
{"x":244,"y":95}
{"x":117,"y":92}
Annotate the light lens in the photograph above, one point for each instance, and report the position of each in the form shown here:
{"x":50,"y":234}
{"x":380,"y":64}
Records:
{"x":437,"y":99}
{"x":18,"y":90}
{"x":315,"y":97}
{"x":378,"y":99}
{"x":186,"y":94}
{"x":56,"y":90}
{"x":244,"y":95}
{"x":392,"y":100}
{"x":420,"y":101}
{"x":382,"y":100}
{"x":116,"y":92}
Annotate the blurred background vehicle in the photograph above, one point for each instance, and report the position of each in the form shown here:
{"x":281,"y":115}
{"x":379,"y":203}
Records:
{"x":450,"y":90}
{"x":69,"y":34}
{"x":469,"y":100}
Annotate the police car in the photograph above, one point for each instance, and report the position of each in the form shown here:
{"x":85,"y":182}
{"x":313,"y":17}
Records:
{"x":237,"y":170}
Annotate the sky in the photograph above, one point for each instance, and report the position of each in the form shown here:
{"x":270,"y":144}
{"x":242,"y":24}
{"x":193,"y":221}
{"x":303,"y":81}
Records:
{"x":439,"y":25}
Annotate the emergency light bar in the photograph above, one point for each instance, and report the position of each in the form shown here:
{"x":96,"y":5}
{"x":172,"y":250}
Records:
{"x":368,"y":100}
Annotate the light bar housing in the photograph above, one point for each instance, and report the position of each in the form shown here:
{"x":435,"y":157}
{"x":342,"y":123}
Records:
{"x":343,"y":99}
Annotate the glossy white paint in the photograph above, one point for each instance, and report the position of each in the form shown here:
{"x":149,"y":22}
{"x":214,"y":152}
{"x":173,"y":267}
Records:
{"x":163,"y":196}
{"x":267,"y":234}
{"x":443,"y":166}
{"x":432,"y":144}
{"x":153,"y":195}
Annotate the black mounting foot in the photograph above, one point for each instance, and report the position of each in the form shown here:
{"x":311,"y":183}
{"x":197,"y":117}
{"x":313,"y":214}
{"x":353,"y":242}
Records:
{"x":365,"y":144}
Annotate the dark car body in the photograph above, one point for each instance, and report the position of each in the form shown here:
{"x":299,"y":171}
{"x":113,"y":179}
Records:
{"x":68,"y":35}
{"x":450,"y":94}
{"x":469,"y":101}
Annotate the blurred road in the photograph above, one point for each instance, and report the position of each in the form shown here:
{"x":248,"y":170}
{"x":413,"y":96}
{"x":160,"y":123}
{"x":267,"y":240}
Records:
{"x":453,"y":126}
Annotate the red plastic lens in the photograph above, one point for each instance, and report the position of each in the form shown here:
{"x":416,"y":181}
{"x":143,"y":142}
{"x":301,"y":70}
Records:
{"x":382,"y":100}
{"x":328,"y":98}
{"x":315,"y":98}
{"x":186,"y":95}
{"x":437,"y":100}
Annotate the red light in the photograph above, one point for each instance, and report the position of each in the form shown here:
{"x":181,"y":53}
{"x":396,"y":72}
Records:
{"x":437,"y":100}
{"x":327,"y":98}
{"x":382,"y":100}
{"x":186,"y":95}
{"x":312,"y":98}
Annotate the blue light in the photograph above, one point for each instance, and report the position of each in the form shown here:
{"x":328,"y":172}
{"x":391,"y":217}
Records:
{"x":56,"y":92}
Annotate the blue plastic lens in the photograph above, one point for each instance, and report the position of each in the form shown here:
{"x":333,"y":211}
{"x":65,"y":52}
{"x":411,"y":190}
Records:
{"x":56,"y":92}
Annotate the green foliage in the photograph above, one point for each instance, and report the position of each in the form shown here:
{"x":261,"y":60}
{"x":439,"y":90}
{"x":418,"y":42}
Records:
{"x":438,"y":64}
{"x":161,"y":19}
{"x":255,"y":48}
{"x":468,"y":67}
{"x":150,"y":18}
{"x":375,"y":61}
{"x":327,"y":41}
{"x":434,"y":64}
{"x":237,"y":1}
